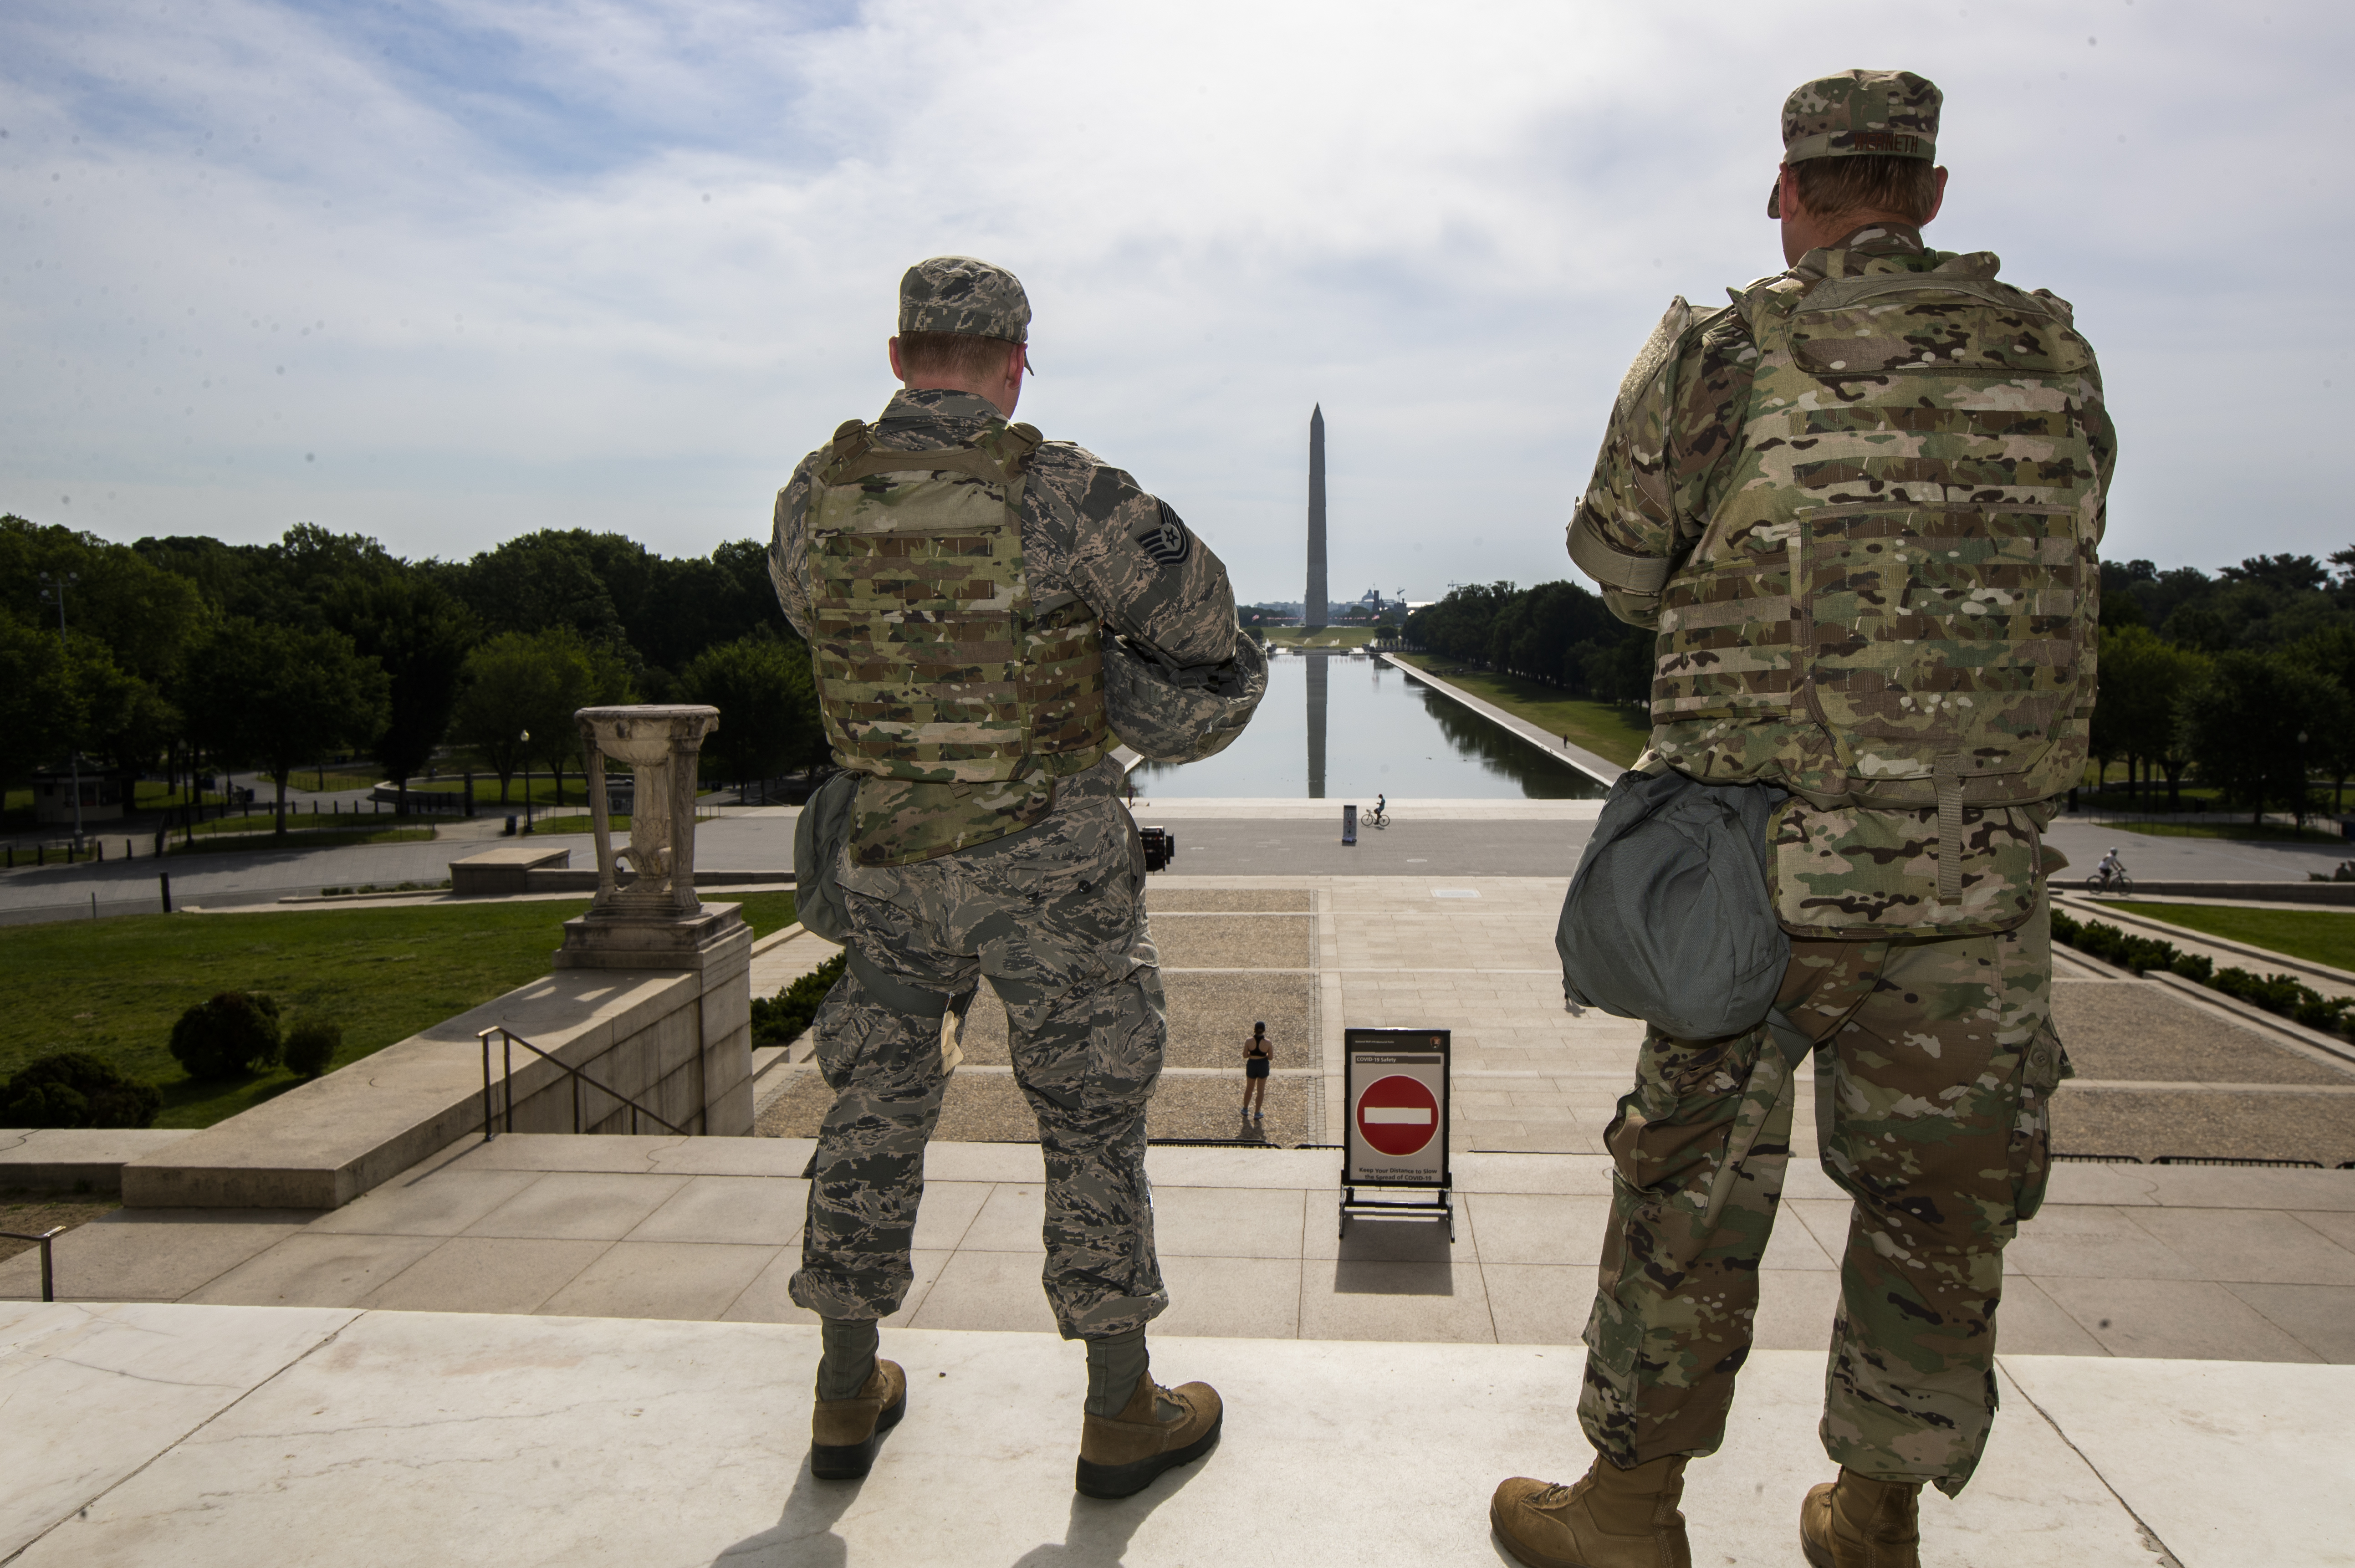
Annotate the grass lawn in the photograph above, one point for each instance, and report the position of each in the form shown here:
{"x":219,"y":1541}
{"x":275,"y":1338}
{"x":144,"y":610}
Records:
{"x":114,"y":987}
{"x":265,"y":822}
{"x":1608,"y":730}
{"x":1329,"y":638}
{"x":2319,"y":936}
{"x":486,"y":789}
{"x":299,"y":838}
{"x":578,"y":823}
{"x":2228,"y":829}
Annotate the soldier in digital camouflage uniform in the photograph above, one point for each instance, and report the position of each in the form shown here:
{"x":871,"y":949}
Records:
{"x":955,"y":603}
{"x":1860,"y":508}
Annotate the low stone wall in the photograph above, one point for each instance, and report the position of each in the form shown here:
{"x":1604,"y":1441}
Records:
{"x":2269,"y":893}
{"x":507,"y":871}
{"x":677,"y":1041}
{"x":69,"y":1159}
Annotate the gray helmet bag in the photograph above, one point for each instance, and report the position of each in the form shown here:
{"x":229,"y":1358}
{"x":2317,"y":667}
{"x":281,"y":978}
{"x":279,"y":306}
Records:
{"x":1173,"y":713}
{"x":1668,"y":918}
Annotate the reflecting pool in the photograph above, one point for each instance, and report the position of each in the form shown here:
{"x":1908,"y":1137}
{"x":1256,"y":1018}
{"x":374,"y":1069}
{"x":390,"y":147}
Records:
{"x":1350,"y":728}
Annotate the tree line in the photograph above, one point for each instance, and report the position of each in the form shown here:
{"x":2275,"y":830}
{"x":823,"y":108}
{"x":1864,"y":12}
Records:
{"x":2244,"y":680}
{"x":1557,"y":632}
{"x":185,"y":649}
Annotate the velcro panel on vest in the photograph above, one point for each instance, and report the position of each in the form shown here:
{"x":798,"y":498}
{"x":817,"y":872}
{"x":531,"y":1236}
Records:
{"x":918,"y":630}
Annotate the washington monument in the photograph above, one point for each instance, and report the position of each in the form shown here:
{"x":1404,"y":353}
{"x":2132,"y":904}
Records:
{"x":1313,"y":611}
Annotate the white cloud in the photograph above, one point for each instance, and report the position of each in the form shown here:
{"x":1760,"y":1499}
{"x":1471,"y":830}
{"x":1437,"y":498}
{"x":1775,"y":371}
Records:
{"x":618,"y":265}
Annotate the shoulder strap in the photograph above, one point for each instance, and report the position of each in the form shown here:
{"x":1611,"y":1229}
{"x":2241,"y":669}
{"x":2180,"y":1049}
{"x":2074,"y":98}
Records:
{"x":1840,"y":293}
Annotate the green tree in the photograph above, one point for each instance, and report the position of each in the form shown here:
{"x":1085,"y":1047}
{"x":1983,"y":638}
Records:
{"x":769,"y":721}
{"x":420,"y":636}
{"x":275,"y":696}
{"x":541,"y":581}
{"x":147,"y":617}
{"x":36,"y":703}
{"x":530,"y":683}
{"x":2143,"y":680}
{"x":2332,"y":653}
{"x":2250,"y":726}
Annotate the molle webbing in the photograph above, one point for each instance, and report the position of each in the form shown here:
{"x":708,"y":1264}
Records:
{"x":933,"y":664}
{"x":1893,"y":603}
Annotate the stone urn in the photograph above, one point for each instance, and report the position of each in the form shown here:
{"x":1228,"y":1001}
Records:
{"x":653,"y":918}
{"x":660,"y":745}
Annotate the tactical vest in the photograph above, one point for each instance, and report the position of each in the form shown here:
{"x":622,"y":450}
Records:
{"x":1893,"y":611}
{"x":933,"y":664}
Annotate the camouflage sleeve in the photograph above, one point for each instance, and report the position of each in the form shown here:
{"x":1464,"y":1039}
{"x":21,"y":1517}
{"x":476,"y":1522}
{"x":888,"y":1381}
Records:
{"x":1664,"y":461}
{"x":1130,"y":557}
{"x":789,"y":548}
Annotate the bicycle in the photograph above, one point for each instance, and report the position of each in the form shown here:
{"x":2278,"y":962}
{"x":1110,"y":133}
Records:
{"x":2109,"y":880}
{"x":1376,"y":818}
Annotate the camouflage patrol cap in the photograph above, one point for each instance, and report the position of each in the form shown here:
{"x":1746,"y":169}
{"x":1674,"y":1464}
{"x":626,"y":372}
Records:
{"x":1859,"y":113}
{"x":958,"y":293}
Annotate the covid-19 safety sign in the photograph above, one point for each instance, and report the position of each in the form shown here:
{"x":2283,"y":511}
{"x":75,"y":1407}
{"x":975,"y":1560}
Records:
{"x":1396,"y":1084}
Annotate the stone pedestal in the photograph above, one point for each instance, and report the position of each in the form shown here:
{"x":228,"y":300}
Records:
{"x":654,"y":920}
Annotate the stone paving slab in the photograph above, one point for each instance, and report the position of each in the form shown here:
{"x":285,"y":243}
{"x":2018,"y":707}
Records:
{"x":396,"y":1438}
{"x":986,"y":1103}
{"x":2246,"y":1265}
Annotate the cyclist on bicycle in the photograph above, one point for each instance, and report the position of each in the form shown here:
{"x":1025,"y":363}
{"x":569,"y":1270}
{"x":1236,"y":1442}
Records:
{"x":2111,"y":868}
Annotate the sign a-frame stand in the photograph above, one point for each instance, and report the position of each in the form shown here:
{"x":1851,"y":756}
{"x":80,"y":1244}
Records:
{"x":1395,"y":1084}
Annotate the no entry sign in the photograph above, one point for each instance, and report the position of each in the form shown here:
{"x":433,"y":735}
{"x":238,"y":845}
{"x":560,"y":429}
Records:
{"x":1396,"y":1084}
{"x":1398,"y":1114}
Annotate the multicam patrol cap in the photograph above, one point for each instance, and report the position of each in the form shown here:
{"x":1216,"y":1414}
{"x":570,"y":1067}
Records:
{"x":958,"y":293}
{"x":1859,"y":113}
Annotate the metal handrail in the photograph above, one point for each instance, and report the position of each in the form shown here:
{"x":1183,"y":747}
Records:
{"x":48,"y":1276}
{"x":507,"y":1040}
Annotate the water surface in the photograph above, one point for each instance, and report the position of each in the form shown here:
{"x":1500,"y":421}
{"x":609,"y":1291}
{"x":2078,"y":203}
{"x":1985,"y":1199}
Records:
{"x":1347,"y":728}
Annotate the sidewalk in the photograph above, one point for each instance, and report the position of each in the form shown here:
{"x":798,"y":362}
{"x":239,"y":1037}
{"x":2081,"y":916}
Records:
{"x":222,"y":1437}
{"x":2227,"y":1265}
{"x":1602,"y":770}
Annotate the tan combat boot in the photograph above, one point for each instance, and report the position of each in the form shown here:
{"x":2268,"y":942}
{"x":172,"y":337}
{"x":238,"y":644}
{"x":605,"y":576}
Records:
{"x":1161,"y":1428}
{"x":1859,"y":1522}
{"x":845,"y":1433}
{"x":1609,"y":1518}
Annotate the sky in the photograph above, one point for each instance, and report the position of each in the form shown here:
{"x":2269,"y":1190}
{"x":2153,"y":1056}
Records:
{"x":444,"y":272}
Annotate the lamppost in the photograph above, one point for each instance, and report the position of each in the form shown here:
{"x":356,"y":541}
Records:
{"x":53,"y":591}
{"x":2297,"y":818}
{"x":526,"y":781}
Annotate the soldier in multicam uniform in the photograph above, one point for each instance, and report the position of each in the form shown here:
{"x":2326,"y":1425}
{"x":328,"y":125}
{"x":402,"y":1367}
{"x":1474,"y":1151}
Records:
{"x":956,"y":577}
{"x":1860,"y":509}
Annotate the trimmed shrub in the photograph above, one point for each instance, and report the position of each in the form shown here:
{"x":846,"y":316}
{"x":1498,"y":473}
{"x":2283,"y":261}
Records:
{"x":312,"y":1042}
{"x":232,"y":1034}
{"x":68,"y":1089}
{"x":2282,"y":994}
{"x":780,"y":1019}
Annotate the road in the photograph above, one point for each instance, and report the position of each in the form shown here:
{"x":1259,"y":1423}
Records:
{"x":762,"y":839}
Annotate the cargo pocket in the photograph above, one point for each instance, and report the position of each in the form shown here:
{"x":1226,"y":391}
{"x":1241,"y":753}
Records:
{"x":2044,"y":1065}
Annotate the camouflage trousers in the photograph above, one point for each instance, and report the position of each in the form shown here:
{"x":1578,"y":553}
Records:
{"x":1934,"y":1065}
{"x":1054,"y":918}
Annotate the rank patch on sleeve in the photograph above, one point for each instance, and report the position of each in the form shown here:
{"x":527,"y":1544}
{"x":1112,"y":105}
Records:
{"x":1166,"y":539}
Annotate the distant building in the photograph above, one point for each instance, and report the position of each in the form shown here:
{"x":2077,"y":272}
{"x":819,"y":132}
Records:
{"x":103,"y":796}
